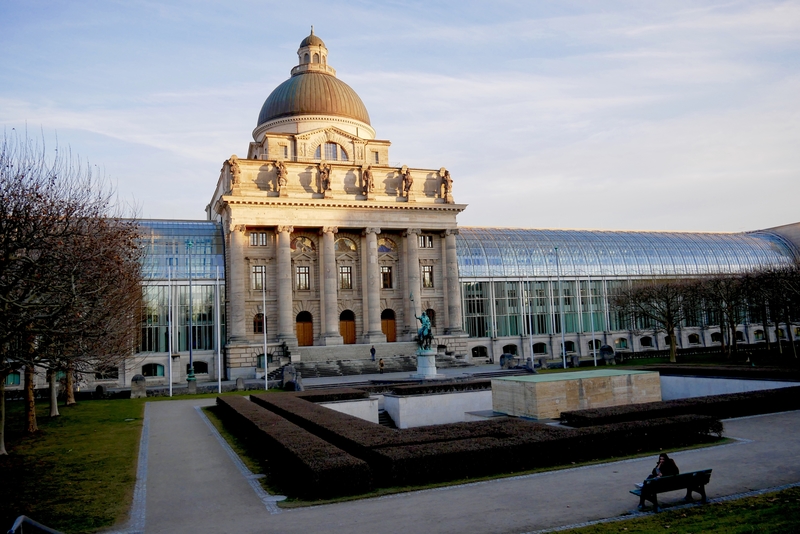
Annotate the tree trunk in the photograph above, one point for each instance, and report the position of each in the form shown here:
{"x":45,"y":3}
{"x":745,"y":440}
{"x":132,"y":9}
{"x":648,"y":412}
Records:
{"x":70,"y":387}
{"x":51,"y":378}
{"x":789,"y":335}
{"x":722,"y":345}
{"x":3,"y":451}
{"x":30,"y":401}
{"x":765,"y":324}
{"x":673,"y":343}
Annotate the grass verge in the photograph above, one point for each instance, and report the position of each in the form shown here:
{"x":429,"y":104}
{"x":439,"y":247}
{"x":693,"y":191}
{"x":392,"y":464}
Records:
{"x":773,"y":512}
{"x":78,"y":472}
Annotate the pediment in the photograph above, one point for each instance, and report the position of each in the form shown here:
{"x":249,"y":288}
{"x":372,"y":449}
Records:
{"x":329,"y":133}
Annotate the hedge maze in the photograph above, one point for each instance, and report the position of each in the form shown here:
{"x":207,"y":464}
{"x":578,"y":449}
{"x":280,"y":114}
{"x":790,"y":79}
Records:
{"x":315,"y":452}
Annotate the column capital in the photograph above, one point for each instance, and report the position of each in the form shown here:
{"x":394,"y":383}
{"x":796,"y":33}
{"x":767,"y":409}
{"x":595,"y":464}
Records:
{"x":413,"y":231}
{"x":330,"y":229}
{"x":371,"y":231}
{"x":281,"y":229}
{"x":452,"y":231}
{"x":239,"y":228}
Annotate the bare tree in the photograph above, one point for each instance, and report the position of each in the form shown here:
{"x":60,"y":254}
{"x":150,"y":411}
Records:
{"x":68,"y":266}
{"x":660,"y":301}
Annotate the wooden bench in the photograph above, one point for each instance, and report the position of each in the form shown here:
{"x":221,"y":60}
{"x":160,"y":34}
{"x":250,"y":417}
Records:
{"x":692,"y":482}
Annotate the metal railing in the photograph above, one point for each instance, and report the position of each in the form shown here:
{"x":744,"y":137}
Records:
{"x":26,"y":525}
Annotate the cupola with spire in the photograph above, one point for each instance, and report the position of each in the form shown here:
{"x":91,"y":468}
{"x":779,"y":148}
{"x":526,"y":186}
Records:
{"x":313,"y":56}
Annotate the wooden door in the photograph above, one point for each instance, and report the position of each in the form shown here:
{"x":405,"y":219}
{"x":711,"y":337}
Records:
{"x":347,"y":329}
{"x":387,"y":325}
{"x":305,"y":329}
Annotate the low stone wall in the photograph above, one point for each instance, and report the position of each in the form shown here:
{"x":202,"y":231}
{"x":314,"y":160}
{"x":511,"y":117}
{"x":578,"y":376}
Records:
{"x":366,"y":409}
{"x":409,"y":411}
{"x":686,"y":387}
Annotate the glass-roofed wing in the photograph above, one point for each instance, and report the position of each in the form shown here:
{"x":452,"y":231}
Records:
{"x":519,"y":253}
{"x":169,"y":246}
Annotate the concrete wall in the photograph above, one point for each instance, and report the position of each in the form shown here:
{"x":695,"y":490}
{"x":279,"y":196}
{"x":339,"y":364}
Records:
{"x":438,"y":409}
{"x":366,"y":409}
{"x":684,"y":387}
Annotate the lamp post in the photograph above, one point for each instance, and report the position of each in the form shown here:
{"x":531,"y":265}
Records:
{"x":190,"y":374}
{"x":219,"y":333}
{"x":169,"y":325}
{"x":264,"y":324}
{"x":561,"y":311}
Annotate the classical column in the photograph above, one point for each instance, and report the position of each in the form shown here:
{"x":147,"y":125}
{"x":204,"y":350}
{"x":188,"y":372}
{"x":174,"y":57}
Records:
{"x":373,"y":334}
{"x":453,"y":286}
{"x":412,"y":266}
{"x":331,"y":334}
{"x":284,"y":286}
{"x":238,"y":287}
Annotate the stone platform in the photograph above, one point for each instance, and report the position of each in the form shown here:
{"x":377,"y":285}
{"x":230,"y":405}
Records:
{"x":545,"y":396}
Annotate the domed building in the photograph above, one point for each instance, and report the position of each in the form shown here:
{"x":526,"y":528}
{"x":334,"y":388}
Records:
{"x":334,"y":244}
{"x":315,"y":247}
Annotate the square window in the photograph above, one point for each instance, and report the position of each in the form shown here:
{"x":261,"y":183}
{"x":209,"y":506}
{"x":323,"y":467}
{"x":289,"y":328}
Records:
{"x":285,"y":152}
{"x":375,"y":157}
{"x":303,"y":278}
{"x":426,"y":241}
{"x":345,"y":277}
{"x":386,"y":277}
{"x":427,"y":276}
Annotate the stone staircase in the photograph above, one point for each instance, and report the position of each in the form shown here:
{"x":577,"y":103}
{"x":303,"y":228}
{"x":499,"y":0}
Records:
{"x":385,"y":419}
{"x":391,"y":364}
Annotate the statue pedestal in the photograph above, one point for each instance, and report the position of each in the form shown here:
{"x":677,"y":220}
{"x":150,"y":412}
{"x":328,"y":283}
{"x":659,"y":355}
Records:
{"x":426,"y":366}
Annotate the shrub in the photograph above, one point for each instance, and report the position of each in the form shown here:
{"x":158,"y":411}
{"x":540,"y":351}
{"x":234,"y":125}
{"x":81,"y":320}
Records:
{"x":299,"y":461}
{"x":719,"y":406}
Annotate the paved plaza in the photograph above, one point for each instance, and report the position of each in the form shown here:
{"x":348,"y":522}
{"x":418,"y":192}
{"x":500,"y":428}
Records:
{"x":189,"y":483}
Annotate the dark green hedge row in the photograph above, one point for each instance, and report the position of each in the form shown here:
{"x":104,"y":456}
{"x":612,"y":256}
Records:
{"x":719,"y":406}
{"x":454,"y":451}
{"x":332,"y":395}
{"x":448,"y":387}
{"x":453,"y":460}
{"x":300,"y":462}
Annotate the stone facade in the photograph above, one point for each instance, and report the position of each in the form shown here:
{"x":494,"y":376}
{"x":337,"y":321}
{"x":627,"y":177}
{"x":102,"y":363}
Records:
{"x":326,"y":238}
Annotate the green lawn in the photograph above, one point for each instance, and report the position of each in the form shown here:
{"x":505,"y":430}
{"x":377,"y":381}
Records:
{"x":77,"y":474}
{"x":774,"y":513}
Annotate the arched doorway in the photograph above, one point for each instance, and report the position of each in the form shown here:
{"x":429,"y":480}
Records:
{"x":388,"y":325}
{"x":347,"y":327}
{"x":305,"y":329}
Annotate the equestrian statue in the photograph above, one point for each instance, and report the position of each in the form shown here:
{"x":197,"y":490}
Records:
{"x":424,"y":333}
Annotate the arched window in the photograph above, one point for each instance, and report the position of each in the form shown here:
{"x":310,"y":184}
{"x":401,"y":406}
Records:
{"x":540,"y":348}
{"x":781,"y":333}
{"x":258,"y":323}
{"x":621,"y":343}
{"x":305,"y":58}
{"x":758,"y":335}
{"x":694,"y":339}
{"x":510,"y":349}
{"x":740,"y":336}
{"x":666,"y":341}
{"x":432,"y":316}
{"x":595,"y":345}
{"x":333,"y":152}
{"x":569,"y":346}
{"x":716,"y":337}
{"x":200,"y":368}
{"x":153,"y":369}
{"x":479,"y":352}
{"x":316,"y":58}
{"x":646,"y":341}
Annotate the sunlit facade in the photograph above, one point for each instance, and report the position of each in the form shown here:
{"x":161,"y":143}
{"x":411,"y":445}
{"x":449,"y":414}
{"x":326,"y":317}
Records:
{"x":520,"y":287}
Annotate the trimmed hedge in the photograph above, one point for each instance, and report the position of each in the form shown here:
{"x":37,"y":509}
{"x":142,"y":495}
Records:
{"x":448,"y":452}
{"x":299,"y":461}
{"x":448,"y":387}
{"x":719,"y":406}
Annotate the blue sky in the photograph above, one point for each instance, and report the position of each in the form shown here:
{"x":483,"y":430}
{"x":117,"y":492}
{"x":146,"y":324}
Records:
{"x":616,"y":115}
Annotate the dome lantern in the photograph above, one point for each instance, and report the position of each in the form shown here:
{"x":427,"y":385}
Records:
{"x":312,"y":56}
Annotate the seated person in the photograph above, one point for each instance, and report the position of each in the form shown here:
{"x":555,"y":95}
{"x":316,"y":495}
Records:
{"x":665,"y":467}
